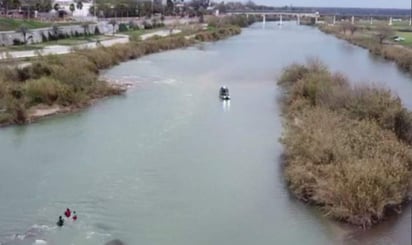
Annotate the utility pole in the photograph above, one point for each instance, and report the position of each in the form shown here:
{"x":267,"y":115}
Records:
{"x":410,"y":19}
{"x":95,"y":8}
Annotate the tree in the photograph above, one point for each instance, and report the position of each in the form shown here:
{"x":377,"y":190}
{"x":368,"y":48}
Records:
{"x":221,"y":7}
{"x":72,"y":8}
{"x":113,"y":22}
{"x":201,"y":13}
{"x":170,"y":6}
{"x":86,"y":28}
{"x":24,"y":30}
{"x":55,"y":31}
{"x":383,"y":32}
{"x":7,"y":4}
{"x":345,"y":26}
{"x":91,"y":10}
{"x":56,"y":7}
{"x":39,"y":5}
{"x":353,"y":28}
{"x":79,"y":5}
{"x":348,"y":26}
{"x":250,"y":4}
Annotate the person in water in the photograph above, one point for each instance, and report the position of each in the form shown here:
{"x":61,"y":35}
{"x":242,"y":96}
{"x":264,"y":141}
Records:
{"x":68,"y":213}
{"x":74,"y":216}
{"x":60,"y":222}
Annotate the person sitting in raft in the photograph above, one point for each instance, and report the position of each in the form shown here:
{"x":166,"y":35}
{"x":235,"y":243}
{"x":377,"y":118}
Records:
{"x":68,"y":213}
{"x":60,"y":222}
{"x":74,"y":216}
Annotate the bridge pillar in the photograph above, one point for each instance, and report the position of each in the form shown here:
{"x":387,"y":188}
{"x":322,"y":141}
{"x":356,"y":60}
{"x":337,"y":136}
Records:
{"x":371,"y":20}
{"x":390,"y":21}
{"x":334,"y":20}
{"x":281,"y":20}
{"x":353,"y":20}
{"x":298,"y":21}
{"x":264,"y":19}
{"x":247,"y":16}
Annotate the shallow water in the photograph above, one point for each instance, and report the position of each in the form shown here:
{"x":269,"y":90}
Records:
{"x":169,"y":163}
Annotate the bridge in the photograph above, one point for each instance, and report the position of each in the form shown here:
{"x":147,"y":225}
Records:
{"x":316,"y":15}
{"x":281,"y":14}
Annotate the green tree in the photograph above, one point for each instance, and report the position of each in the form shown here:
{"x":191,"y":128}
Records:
{"x":91,"y":10}
{"x":56,"y":7}
{"x":79,"y":4}
{"x":170,"y":7}
{"x":39,"y":5}
{"x":7,"y":4}
{"x":72,"y":8}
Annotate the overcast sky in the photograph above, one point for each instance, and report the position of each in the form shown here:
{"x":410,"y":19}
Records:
{"x":340,"y":3}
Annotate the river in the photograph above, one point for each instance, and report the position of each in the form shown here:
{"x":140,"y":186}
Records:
{"x":169,"y":163}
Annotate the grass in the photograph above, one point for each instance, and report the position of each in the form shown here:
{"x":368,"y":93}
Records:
{"x":407,"y":36}
{"x":72,"y":41}
{"x":348,"y":149}
{"x":12,"y":24}
{"x":400,"y":52}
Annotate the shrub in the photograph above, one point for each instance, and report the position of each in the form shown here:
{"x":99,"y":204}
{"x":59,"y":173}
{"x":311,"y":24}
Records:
{"x":353,"y":168}
{"x":123,"y":27}
{"x":96,"y":31}
{"x":147,"y":25}
{"x":17,"y":42}
{"x":133,"y":25}
{"x":347,"y":147}
{"x":44,"y":90}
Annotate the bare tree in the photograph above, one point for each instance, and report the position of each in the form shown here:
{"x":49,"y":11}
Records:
{"x":55,"y":31}
{"x":24,"y":30}
{"x":353,"y":28}
{"x":86,"y":28}
{"x":383,"y":32}
{"x":113,"y":22}
{"x":347,"y":26}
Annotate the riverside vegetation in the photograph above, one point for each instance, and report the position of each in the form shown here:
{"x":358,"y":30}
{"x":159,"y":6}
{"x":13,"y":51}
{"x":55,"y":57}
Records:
{"x":72,"y":81}
{"x":347,"y":148}
{"x":375,"y":39}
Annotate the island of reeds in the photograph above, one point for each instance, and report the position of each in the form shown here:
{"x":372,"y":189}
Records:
{"x":347,"y":147}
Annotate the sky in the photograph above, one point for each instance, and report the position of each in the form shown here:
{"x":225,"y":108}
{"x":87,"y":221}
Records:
{"x":403,"y":4}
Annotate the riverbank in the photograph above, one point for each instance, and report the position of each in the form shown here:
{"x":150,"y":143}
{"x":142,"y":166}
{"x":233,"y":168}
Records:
{"x":347,"y":149}
{"x":60,"y":84}
{"x":376,"y":40}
